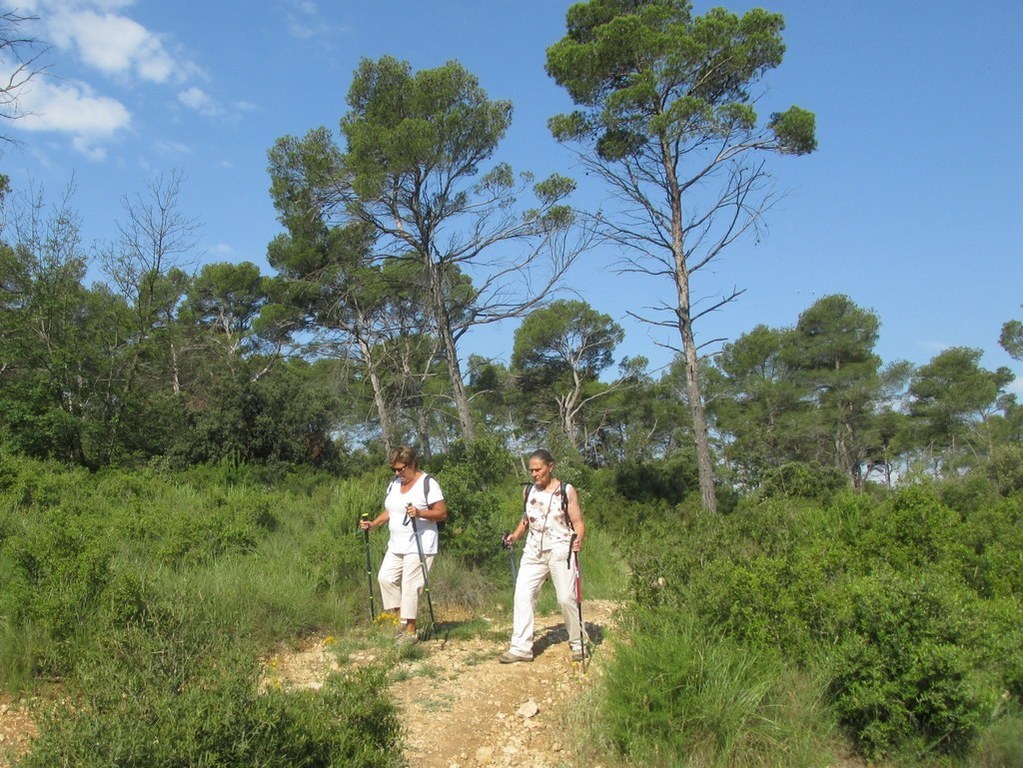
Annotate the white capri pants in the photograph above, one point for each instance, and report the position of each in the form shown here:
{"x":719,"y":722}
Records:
{"x":533,"y":571}
{"x":401,"y":583}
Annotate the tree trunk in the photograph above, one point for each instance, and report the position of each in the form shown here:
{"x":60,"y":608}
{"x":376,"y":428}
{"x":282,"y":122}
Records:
{"x":447,"y":338}
{"x":383,"y":412}
{"x":704,"y":462}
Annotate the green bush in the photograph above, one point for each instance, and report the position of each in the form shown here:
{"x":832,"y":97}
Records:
{"x":477,"y":517}
{"x":901,"y":672}
{"x":56,"y":568}
{"x":1004,"y":468}
{"x":802,"y":480}
{"x":993,"y":536}
{"x":674,"y":688}
{"x":913,"y":530}
{"x":167,"y":679}
{"x":669,"y":480}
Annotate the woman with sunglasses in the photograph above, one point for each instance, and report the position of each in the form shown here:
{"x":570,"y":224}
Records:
{"x":411,"y":496}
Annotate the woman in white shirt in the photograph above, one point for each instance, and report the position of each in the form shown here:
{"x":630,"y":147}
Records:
{"x":412,"y":496}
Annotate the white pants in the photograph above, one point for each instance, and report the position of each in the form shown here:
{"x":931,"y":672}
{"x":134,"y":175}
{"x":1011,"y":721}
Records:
{"x":533,"y":571}
{"x":401,"y":583}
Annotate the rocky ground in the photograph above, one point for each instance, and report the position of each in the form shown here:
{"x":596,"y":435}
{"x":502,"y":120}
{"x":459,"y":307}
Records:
{"x":461,"y":706}
{"x":465,"y":709}
{"x":16,"y":727}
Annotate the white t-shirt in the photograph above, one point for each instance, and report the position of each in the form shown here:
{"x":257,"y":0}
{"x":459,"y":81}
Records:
{"x":403,"y":540}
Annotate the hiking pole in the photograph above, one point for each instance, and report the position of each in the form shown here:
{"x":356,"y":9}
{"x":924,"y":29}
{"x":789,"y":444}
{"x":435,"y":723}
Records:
{"x":511,"y":554}
{"x":426,"y":580}
{"x":578,"y":601}
{"x":369,"y":568}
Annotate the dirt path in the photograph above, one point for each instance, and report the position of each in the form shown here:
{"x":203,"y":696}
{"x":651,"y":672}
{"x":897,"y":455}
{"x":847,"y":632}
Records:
{"x":475,"y":711}
{"x":17,"y":727}
{"x":463,"y":708}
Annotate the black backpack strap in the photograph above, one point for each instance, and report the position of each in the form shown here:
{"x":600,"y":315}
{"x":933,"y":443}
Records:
{"x":426,"y":489}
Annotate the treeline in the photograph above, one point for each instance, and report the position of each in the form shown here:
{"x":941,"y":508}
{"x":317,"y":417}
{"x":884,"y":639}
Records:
{"x":154,"y":363}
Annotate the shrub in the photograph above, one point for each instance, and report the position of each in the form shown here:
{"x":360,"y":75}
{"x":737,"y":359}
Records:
{"x":901,"y":673}
{"x":476,"y":511}
{"x":670,"y":480}
{"x":56,"y":568}
{"x":913,"y":530}
{"x":803,"y":480}
{"x":218,"y":719}
{"x":1005,"y":468}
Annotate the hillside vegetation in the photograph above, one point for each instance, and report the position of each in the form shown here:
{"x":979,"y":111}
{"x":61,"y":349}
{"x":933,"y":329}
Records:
{"x":805,"y":618}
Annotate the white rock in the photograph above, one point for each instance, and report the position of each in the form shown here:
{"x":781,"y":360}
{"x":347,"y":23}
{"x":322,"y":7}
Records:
{"x":528,"y":709}
{"x":484,"y":754}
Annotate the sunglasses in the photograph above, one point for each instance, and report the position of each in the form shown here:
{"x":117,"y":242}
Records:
{"x":399,"y":470}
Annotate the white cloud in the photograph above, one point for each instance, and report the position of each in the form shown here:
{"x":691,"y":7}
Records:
{"x":108,"y":40}
{"x":173,"y":147}
{"x":68,"y":107}
{"x":197,"y":99}
{"x":87,"y":148}
{"x":115,"y":45}
{"x":304,"y":23}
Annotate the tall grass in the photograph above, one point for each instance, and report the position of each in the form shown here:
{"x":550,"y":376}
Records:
{"x":676,"y":694}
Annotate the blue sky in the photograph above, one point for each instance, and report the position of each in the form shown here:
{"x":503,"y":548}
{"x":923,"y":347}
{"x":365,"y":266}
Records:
{"x":912,"y":206}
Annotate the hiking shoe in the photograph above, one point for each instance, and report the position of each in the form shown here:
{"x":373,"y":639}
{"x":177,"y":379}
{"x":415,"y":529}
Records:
{"x":578,"y":655}
{"x":510,"y":658}
{"x":406,"y":638}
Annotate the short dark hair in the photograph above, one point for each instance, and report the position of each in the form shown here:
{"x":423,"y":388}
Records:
{"x":542,"y":454}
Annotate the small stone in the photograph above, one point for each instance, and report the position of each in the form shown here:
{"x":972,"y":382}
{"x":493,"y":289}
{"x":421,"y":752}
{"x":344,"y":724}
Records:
{"x":484,"y":754}
{"x":528,"y":709}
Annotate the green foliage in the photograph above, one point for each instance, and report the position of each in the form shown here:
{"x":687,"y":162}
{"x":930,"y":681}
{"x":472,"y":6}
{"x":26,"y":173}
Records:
{"x":796,"y":130}
{"x":673,"y":688}
{"x":901,"y":674}
{"x":165,"y":690}
{"x":476,"y":522}
{"x":949,"y":394}
{"x":1004,"y":468}
{"x":55,"y":569}
{"x":910,"y":606}
{"x":669,"y":480}
{"x":802,"y":480}
{"x":1011,"y":338}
